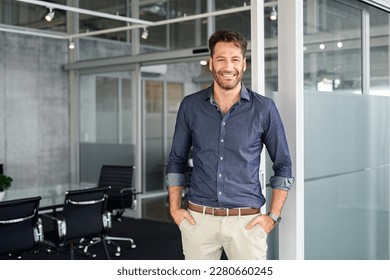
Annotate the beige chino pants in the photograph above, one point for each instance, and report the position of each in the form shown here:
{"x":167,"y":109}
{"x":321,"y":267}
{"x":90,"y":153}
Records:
{"x":211,"y":234}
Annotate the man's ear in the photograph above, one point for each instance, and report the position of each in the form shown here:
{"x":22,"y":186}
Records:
{"x":211,"y":63}
{"x":244,"y":64}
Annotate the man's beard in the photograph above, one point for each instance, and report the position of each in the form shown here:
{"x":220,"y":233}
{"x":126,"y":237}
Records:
{"x":227,"y":85}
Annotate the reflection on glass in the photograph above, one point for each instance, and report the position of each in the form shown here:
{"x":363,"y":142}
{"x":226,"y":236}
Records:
{"x":154,"y":135}
{"x":163,"y":90}
{"x":379,"y":52}
{"x":175,"y":95}
{"x":154,"y":97}
{"x":107,"y":116}
{"x":128,"y":110}
{"x":332,"y":47}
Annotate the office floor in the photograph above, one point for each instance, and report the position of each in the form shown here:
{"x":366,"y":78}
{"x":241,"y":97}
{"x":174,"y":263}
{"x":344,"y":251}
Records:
{"x":156,"y":209}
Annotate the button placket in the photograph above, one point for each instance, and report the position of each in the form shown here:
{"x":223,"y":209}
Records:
{"x":221,"y":154}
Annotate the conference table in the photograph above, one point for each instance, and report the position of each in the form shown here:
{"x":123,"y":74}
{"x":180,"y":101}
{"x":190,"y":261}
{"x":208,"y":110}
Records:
{"x":52,"y":196}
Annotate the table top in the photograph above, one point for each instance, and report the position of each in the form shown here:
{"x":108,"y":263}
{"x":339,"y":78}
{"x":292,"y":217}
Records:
{"x":52,"y":196}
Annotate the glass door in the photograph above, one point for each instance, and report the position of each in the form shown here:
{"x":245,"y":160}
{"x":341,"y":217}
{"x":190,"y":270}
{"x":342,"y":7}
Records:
{"x":107,"y":123}
{"x":164,"y":87}
{"x":154,"y":135}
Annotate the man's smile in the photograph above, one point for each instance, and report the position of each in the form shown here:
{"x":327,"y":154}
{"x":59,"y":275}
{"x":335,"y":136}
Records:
{"x":228,"y":75}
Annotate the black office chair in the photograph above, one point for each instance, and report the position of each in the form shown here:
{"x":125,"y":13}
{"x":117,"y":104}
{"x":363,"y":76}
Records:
{"x":120,"y":196}
{"x":20,"y":226}
{"x":84,"y":216}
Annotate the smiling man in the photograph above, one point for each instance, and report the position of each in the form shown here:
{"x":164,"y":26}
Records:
{"x":227,"y":125}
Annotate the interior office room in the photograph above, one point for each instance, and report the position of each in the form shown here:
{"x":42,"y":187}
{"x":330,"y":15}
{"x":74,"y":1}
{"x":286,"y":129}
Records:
{"x":102,"y":81}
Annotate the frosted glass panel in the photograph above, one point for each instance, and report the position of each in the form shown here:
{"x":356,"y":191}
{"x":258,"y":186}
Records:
{"x":347,"y":167}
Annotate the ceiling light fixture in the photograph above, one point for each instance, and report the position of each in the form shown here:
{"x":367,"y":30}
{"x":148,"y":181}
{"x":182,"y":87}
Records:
{"x":49,"y":17}
{"x":145,"y":34}
{"x":274,"y":14}
{"x":138,"y":22}
{"x":71,"y":45}
{"x":48,"y":4}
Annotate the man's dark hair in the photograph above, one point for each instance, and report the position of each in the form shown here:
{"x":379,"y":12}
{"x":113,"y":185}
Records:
{"x":228,"y":36}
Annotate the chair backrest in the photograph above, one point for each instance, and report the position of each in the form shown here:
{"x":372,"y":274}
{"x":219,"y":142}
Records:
{"x":85,"y":213}
{"x":120,"y":179}
{"x":116,"y":176}
{"x":18,"y":225}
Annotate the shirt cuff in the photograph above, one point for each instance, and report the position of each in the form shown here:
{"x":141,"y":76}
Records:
{"x":175,"y":179}
{"x":282,"y":183}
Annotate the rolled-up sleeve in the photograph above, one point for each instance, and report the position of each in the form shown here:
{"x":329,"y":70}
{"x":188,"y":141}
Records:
{"x":175,"y":179}
{"x":282,"y":183}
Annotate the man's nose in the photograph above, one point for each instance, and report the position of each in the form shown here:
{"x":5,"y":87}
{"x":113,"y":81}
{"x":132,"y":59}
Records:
{"x":229,"y":65}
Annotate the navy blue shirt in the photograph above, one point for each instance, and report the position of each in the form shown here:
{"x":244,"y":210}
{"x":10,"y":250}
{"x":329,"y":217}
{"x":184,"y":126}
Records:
{"x":226,"y":149}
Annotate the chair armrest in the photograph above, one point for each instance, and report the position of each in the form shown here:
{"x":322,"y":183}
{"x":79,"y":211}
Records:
{"x":38,"y":232}
{"x":128,"y":193}
{"x":59,"y":225}
{"x":127,"y":190}
{"x":107,"y":221}
{"x":45,"y":216}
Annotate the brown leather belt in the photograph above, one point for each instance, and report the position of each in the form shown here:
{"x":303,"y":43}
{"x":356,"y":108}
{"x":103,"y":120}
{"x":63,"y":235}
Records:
{"x":223,"y":211}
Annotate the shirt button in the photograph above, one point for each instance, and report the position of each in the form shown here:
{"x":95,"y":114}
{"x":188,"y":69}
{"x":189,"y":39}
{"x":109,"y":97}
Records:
{"x":221,"y":158}
{"x":220,"y":175}
{"x":224,"y":123}
{"x":220,"y":193}
{"x":222,"y":140}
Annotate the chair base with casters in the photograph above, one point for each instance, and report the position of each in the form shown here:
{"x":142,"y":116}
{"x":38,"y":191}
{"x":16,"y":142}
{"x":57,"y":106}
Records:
{"x":110,"y":240}
{"x":78,"y":246}
{"x":83,"y":218}
{"x":120,"y":197}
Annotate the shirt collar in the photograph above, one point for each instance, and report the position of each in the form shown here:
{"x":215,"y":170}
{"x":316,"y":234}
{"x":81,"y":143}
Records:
{"x":244,"y":93}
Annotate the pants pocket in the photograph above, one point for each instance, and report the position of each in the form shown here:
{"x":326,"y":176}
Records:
{"x":261,"y":231}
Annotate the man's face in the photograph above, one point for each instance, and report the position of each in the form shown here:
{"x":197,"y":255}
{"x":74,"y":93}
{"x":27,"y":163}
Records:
{"x":227,"y":65}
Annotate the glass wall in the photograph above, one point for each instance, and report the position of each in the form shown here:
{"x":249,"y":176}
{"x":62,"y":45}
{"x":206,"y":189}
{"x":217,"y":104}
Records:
{"x":31,"y":16}
{"x":188,"y":34}
{"x":347,"y":131}
{"x":333,"y":47}
{"x":164,"y":88}
{"x":379,"y":50}
{"x":107,"y":122}
{"x":154,"y":135}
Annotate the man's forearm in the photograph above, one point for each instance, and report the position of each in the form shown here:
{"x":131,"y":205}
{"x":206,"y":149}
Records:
{"x":278,"y":199}
{"x":174,"y":197}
